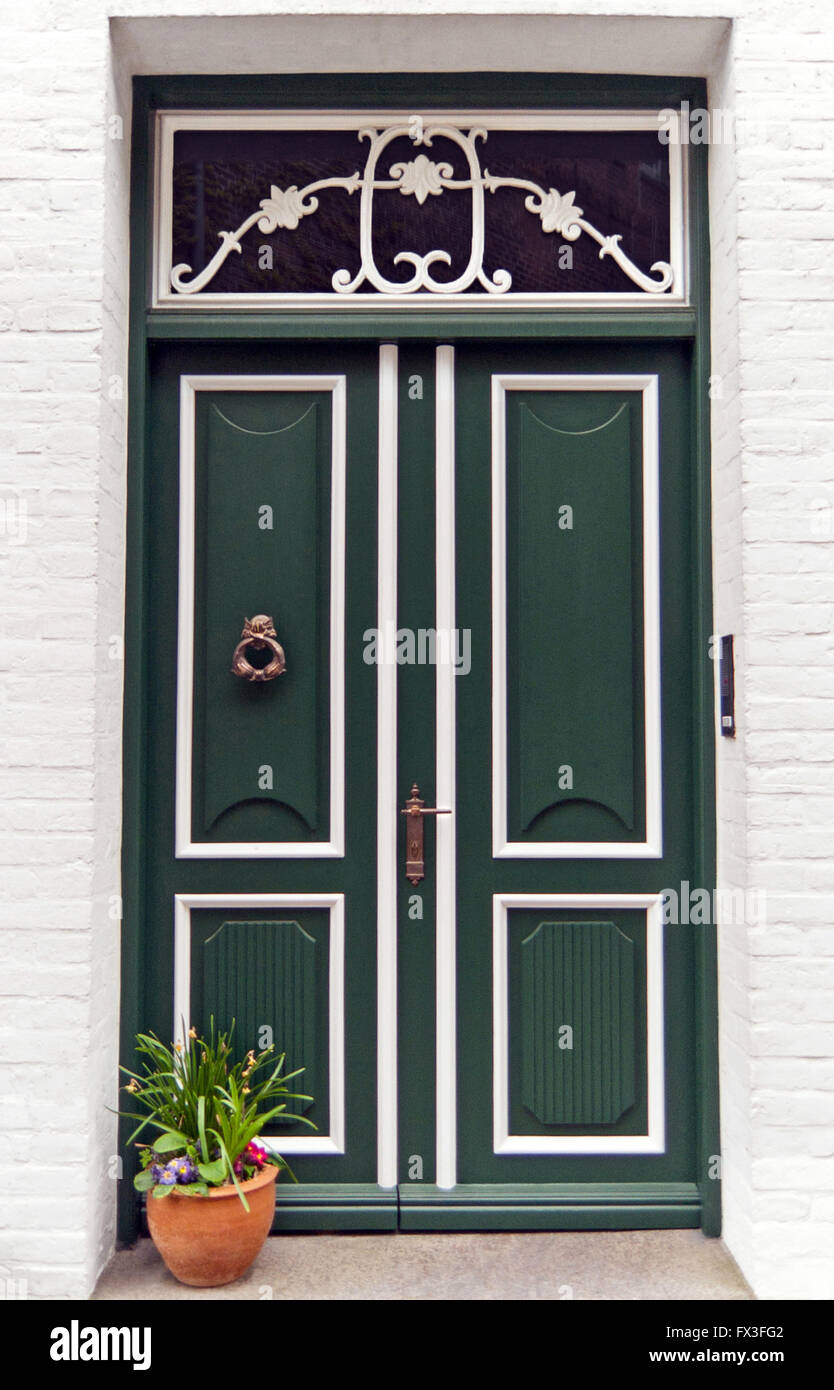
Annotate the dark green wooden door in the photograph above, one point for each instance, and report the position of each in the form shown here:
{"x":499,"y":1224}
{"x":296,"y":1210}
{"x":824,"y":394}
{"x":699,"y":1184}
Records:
{"x":543,"y":995}
{"x":478,"y":562}
{"x":260,"y":843}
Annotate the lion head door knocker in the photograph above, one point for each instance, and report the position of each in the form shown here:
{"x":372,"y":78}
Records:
{"x":258,"y":637}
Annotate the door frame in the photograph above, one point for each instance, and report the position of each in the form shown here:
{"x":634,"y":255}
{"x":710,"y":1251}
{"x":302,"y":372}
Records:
{"x":392,"y":325}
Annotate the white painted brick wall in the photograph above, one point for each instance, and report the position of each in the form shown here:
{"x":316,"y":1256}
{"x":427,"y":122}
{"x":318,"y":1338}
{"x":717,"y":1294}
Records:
{"x":781,"y":1124}
{"x":63,"y":264}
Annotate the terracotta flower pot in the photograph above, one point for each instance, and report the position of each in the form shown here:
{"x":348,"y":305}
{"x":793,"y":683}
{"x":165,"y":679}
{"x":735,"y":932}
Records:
{"x":211,"y":1240}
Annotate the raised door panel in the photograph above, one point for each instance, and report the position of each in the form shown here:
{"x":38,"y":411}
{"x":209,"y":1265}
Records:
{"x":576,"y":738}
{"x":262,"y":484}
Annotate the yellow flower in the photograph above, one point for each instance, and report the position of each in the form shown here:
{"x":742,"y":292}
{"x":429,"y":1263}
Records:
{"x":246,"y":1090}
{"x":133,"y":1085}
{"x":192,"y":1032}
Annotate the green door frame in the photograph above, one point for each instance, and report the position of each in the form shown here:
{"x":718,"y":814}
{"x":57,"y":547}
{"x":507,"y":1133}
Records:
{"x":411,"y":91}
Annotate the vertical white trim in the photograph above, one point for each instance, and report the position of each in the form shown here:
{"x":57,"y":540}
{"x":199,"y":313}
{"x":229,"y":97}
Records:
{"x":387,"y":811}
{"x":445,"y":770}
{"x":164,"y":200}
{"x":654,"y":1139}
{"x":655,"y":1032}
{"x":651,"y":615}
{"x":186,"y":846}
{"x":338,"y":567}
{"x":182,"y":968}
{"x":336,"y":1021}
{"x":185,"y":620}
{"x":652,"y":846}
{"x":184,"y":904}
{"x":500,"y":1025}
{"x":500,"y":770}
{"x":678,"y":221}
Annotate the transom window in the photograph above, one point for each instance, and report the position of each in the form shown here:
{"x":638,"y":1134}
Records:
{"x":318,"y":209}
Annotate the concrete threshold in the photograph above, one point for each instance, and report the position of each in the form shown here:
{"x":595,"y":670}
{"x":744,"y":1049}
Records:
{"x":615,"y":1265}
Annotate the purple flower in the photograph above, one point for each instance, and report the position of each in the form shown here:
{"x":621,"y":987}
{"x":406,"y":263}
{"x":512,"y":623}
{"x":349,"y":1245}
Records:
{"x":185,"y":1170}
{"x":178,"y":1170}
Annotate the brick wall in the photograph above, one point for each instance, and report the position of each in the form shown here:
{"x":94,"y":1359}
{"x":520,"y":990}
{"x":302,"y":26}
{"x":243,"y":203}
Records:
{"x":775,"y":566}
{"x":55,"y":1024}
{"x":63,"y":267}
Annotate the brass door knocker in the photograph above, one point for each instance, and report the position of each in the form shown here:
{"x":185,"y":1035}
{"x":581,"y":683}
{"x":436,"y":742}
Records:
{"x":258,"y":636}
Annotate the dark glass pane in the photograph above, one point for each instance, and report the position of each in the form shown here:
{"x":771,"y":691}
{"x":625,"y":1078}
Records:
{"x":220,"y":177}
{"x":620,"y":181}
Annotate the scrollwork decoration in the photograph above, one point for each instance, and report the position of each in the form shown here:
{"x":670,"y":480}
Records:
{"x":422,"y":178}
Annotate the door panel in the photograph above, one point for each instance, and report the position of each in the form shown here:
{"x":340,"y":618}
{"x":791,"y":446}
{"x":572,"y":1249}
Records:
{"x":281,"y":977}
{"x":262,"y":461}
{"x":582,"y":970}
{"x":267,"y":912}
{"x":575,"y":1006}
{"x":573,"y":617}
{"x":296,"y":479}
{"x":576,"y":737}
{"x":578,"y":1027}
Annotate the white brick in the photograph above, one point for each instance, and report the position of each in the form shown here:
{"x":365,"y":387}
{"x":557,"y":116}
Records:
{"x":781,"y":1208}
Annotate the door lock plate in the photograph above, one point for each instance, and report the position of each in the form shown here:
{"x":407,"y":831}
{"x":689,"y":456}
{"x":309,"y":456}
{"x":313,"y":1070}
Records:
{"x":414,"y":809}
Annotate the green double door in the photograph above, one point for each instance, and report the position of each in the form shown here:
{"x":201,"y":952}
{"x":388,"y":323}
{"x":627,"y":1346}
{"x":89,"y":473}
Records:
{"x":477,"y":561}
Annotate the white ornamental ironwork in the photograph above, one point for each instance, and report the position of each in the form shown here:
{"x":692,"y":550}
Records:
{"x":422,"y":178}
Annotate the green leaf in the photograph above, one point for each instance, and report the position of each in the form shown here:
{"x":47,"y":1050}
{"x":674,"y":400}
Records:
{"x":201,"y":1126}
{"x":276,"y":1114}
{"x":138,"y":1129}
{"x":160,"y":1191}
{"x":193,"y":1189}
{"x":169,"y":1140}
{"x":241,"y":1194}
{"x":212,"y":1172}
{"x":144,"y":1181}
{"x":282,"y":1163}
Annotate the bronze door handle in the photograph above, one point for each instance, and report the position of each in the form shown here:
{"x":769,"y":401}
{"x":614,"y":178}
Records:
{"x":415,"y":810}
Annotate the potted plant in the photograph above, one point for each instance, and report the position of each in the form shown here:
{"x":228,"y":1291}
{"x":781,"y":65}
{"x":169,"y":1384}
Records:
{"x":210,"y":1185}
